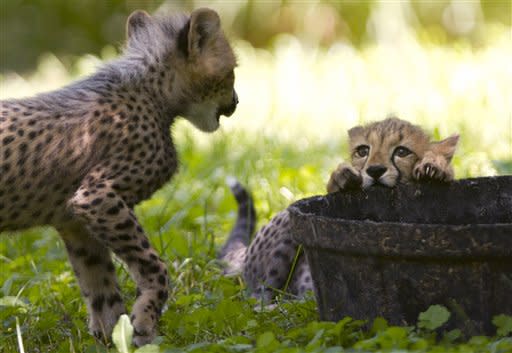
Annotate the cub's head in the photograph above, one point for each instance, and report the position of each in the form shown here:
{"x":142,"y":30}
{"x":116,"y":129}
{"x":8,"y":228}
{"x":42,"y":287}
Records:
{"x":386,"y":152}
{"x":195,"y":63}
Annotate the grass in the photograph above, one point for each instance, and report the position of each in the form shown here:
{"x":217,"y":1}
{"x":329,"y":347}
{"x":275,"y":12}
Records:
{"x":287,"y":135}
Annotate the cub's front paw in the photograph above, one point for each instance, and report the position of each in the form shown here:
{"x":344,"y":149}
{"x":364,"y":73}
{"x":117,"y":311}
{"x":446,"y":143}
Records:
{"x":144,"y":318}
{"x":433,"y":167}
{"x":344,"y":177}
{"x":144,"y":331}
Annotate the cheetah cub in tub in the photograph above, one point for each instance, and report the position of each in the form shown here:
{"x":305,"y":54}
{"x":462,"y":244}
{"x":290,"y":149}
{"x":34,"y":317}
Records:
{"x":389,"y":152}
{"x":81,"y":157}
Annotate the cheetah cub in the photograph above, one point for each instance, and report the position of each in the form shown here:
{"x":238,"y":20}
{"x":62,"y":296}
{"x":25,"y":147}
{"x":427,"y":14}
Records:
{"x":81,"y":157}
{"x":389,"y":152}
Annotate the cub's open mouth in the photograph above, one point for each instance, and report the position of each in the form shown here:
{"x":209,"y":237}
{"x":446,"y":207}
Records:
{"x":226,"y":111}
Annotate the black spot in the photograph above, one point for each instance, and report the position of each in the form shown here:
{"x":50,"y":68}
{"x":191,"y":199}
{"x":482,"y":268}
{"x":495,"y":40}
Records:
{"x":128,"y":223}
{"x":282,"y":255}
{"x":97,"y":303}
{"x":124,"y":237}
{"x":106,"y":120}
{"x":96,"y":201}
{"x":162,"y":295}
{"x":128,"y":248}
{"x":93,"y":260}
{"x":154,"y":269}
{"x":8,"y":139}
{"x":115,"y":298}
{"x":113,"y":210}
{"x":80,"y":252}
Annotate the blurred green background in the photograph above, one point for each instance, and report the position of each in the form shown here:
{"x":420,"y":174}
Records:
{"x":443,"y":64}
{"x":66,"y":28}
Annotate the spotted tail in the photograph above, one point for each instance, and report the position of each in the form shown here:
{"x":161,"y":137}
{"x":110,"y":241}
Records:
{"x":233,"y":251}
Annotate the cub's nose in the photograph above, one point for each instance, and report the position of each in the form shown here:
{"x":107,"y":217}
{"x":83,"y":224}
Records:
{"x":235,"y":98}
{"x":376,"y":171}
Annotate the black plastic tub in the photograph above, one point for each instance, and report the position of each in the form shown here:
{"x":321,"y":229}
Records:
{"x":394,"y":252}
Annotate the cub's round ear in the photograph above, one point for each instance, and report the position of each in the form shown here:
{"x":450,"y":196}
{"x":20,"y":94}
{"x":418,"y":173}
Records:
{"x":204,"y":29}
{"x":446,"y":147}
{"x":355,"y":131}
{"x":138,"y":20}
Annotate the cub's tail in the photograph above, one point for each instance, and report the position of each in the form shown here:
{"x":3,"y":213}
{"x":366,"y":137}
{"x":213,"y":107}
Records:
{"x":233,"y":252}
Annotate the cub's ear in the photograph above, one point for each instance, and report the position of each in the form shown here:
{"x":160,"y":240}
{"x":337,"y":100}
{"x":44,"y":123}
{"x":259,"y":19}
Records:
{"x":355,"y":131}
{"x":446,"y":147}
{"x":137,"y":21}
{"x":204,"y":29}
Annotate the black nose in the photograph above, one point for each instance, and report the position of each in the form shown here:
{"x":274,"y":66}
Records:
{"x":376,"y":171}
{"x":235,"y":98}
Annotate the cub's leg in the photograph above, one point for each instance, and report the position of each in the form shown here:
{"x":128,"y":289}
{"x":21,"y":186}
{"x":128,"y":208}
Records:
{"x":110,"y":220}
{"x":434,"y":167}
{"x":435,"y":164}
{"x":301,"y":280}
{"x":344,"y":177}
{"x":95,"y":271}
{"x":270,"y":257}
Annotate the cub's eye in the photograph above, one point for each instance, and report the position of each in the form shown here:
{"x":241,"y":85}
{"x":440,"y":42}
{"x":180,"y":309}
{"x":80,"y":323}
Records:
{"x":362,"y":151}
{"x":402,"y":151}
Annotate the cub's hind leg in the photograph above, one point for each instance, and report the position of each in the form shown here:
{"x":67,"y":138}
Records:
{"x":301,"y":281}
{"x":270,"y":258}
{"x":93,"y":267}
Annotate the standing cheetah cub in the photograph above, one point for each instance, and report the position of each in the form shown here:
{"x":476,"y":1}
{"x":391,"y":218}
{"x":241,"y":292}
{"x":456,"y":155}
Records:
{"x":388,"y":152}
{"x":81,"y":157}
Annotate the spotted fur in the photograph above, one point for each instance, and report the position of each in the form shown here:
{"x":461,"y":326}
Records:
{"x":389,"y":152}
{"x":81,"y":157}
